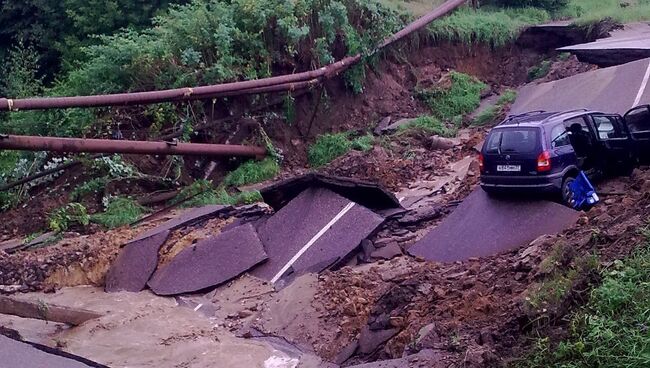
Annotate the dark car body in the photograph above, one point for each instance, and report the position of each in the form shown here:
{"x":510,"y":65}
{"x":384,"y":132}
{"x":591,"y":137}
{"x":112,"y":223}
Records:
{"x":535,"y":152}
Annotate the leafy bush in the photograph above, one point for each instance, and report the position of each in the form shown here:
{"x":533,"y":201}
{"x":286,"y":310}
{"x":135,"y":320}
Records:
{"x":461,"y":97}
{"x":62,"y":218}
{"x":252,"y":172}
{"x":92,"y":186}
{"x":119,"y":212}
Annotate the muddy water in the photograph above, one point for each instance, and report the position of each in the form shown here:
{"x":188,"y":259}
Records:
{"x":143,"y":330}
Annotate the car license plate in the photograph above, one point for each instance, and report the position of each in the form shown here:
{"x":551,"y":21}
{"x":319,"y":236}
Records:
{"x":509,"y":168}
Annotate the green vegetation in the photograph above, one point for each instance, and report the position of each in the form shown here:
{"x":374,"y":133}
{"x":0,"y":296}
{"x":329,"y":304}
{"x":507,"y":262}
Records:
{"x":252,"y":172}
{"x":539,"y":71}
{"x":490,"y":26}
{"x":330,"y":146}
{"x":92,"y":186}
{"x":589,"y":12}
{"x":72,"y":213}
{"x":428,"y":125}
{"x":205,"y":194}
{"x":120,"y":211}
{"x":462,"y":96}
{"x":612,"y":330}
{"x":493,"y":113}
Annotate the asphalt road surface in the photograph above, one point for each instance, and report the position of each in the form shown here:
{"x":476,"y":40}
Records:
{"x":14,"y":354}
{"x":628,"y":44}
{"x":611,"y":90}
{"x":482,"y":226}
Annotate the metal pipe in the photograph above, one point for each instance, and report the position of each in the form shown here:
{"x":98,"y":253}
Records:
{"x":283,"y":83}
{"x":52,"y":144}
{"x":272,"y":84}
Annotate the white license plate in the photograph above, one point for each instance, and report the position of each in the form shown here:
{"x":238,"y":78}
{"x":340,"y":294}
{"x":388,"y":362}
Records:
{"x":509,"y":168}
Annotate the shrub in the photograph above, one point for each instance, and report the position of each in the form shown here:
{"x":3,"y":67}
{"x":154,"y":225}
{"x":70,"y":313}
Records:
{"x":62,"y":218}
{"x":539,"y":71}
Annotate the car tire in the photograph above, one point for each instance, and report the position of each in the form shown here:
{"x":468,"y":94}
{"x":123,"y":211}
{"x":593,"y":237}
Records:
{"x":567,"y":195}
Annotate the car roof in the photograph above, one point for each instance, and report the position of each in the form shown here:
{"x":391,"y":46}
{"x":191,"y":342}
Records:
{"x":539,"y":118}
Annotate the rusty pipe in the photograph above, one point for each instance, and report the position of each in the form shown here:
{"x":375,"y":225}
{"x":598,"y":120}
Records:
{"x":423,"y":21}
{"x":281,"y":83}
{"x":53,"y":144}
{"x":179,"y":94}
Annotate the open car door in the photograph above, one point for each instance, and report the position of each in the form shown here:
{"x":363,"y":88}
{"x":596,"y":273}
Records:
{"x":637,"y":122}
{"x":615,"y":147}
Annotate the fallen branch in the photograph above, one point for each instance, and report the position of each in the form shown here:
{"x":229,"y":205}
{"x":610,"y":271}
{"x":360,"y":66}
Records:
{"x":45,"y":311}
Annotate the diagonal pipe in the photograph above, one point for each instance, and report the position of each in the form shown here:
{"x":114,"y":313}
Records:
{"x":272,"y":84}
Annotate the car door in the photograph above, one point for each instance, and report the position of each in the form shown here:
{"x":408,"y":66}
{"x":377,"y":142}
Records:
{"x":563,"y":152}
{"x":613,"y":138}
{"x":637,"y":122}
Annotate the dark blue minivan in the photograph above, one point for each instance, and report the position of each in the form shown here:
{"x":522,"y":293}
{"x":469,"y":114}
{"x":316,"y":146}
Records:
{"x":544,"y":152}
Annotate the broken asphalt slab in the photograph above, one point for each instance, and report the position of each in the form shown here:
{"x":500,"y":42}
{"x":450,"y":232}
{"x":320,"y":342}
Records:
{"x":482,"y":226}
{"x":185,"y":219}
{"x":210,"y":262}
{"x":15,"y":353}
{"x":367,"y":194}
{"x":613,"y":90}
{"x":135,"y":264}
{"x":316,"y":227}
{"x":625,"y":45}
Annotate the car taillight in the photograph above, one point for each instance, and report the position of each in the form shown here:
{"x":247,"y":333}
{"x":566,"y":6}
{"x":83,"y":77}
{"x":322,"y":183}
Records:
{"x":481,"y":164}
{"x":544,"y":162}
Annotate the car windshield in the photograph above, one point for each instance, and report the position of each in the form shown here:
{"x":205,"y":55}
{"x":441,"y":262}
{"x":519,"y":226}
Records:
{"x":515,"y":140}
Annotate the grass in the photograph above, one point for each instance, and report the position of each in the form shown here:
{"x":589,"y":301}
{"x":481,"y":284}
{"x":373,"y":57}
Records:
{"x":589,"y":12}
{"x":491,"y":26}
{"x":613,"y":329}
{"x":252,"y":172}
{"x":205,"y":194}
{"x":119,"y":212}
{"x":330,"y":146}
{"x":461,"y":97}
{"x":493,"y":113}
{"x":413,"y":7}
{"x":427,"y":125}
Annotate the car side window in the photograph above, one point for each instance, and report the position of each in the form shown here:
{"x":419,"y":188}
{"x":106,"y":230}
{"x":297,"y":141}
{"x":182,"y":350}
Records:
{"x":638,"y":121}
{"x":608,"y":127}
{"x":559,"y":136}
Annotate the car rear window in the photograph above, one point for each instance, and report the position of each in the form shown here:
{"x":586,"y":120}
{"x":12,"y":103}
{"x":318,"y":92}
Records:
{"x":513,"y":140}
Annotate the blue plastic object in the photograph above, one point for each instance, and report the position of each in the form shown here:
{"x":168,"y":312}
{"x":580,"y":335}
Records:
{"x":583,"y":195}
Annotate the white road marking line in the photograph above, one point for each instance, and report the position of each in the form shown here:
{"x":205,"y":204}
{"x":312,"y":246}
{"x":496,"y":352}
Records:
{"x":644,"y":84}
{"x":198,"y":307}
{"x":312,"y":241}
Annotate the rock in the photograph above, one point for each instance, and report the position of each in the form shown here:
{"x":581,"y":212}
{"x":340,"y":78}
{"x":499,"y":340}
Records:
{"x":244,"y":314}
{"x":440,"y":143}
{"x":370,"y":340}
{"x":368,"y":249}
{"x":346,"y":353}
{"x":382,"y":125}
{"x":428,"y":337}
{"x":390,"y":251}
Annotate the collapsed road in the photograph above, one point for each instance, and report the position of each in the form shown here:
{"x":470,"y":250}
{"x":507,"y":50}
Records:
{"x":612,"y":90}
